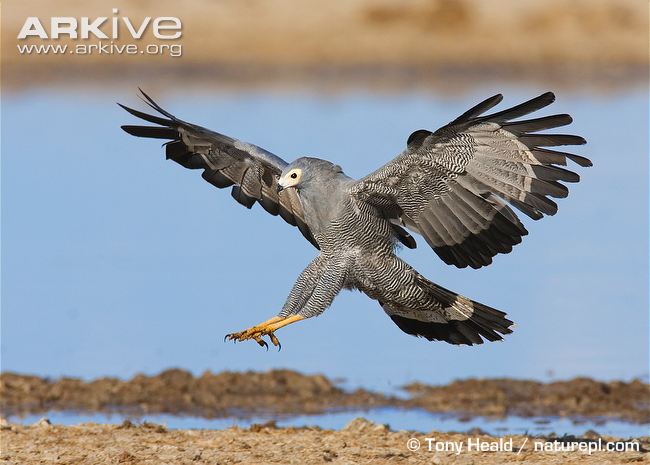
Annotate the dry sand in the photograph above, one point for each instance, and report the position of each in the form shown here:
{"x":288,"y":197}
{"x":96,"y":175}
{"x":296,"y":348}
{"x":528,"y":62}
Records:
{"x":359,"y":442}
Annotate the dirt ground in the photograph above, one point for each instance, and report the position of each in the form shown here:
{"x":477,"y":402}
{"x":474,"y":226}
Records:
{"x":225,"y":394}
{"x":359,"y":442}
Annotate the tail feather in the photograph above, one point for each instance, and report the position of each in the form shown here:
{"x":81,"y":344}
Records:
{"x":456,"y":320}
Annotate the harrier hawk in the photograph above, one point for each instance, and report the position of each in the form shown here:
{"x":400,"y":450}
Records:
{"x":451,"y":186}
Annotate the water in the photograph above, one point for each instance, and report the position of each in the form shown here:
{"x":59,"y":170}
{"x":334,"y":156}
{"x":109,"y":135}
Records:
{"x":412,"y":420}
{"x":116,"y":262}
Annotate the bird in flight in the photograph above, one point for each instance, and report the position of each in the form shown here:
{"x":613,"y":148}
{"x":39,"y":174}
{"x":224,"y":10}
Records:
{"x":453,"y":187}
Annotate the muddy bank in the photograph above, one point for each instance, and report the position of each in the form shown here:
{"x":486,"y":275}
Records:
{"x":178,"y":392}
{"x":579,"y":397}
{"x":287,"y":392}
{"x":360,"y":441}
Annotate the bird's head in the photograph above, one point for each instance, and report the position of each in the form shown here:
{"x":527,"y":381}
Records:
{"x":301,"y":173}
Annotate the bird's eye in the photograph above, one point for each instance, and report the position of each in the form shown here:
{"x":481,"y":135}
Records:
{"x":293,"y":175}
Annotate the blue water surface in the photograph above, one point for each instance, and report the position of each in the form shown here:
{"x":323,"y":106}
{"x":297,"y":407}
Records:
{"x":396,"y":419}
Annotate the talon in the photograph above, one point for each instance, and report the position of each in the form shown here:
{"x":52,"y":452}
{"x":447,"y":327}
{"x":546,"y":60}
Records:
{"x":261,"y":342}
{"x":274,"y":340}
{"x":264,"y":329}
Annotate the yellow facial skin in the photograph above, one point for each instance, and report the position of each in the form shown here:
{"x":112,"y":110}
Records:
{"x":291,"y":179}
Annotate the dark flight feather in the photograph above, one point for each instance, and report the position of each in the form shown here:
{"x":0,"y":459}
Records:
{"x":468,"y":170}
{"x":251,"y":171}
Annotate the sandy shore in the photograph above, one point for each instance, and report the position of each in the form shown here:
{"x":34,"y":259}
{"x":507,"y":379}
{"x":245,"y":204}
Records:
{"x":359,"y":442}
{"x":286,"y":392}
{"x":425,"y":42}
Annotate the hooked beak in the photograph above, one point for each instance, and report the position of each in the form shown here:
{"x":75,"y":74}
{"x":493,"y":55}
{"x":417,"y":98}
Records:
{"x":281,"y":185}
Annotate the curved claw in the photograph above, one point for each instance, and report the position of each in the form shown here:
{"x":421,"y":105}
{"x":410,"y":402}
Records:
{"x":275,"y":341}
{"x":262,"y":343}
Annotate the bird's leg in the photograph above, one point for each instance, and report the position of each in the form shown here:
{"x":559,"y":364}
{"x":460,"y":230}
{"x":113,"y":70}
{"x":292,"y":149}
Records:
{"x":266,"y":328}
{"x":319,"y":278}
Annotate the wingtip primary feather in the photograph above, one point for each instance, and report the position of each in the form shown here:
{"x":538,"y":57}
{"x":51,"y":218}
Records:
{"x":152,"y":103}
{"x":548,"y":96}
{"x":148,"y":117}
{"x":480,"y":108}
{"x":524,"y":108}
{"x":151,"y":132}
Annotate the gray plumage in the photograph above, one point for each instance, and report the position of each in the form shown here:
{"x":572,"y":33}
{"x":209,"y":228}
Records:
{"x":451,"y":186}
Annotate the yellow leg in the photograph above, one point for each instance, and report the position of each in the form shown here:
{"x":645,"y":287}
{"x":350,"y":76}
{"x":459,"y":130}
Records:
{"x":284,"y":322}
{"x":266,"y":328}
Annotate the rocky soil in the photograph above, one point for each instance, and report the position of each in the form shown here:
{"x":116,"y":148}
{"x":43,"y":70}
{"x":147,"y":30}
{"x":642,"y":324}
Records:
{"x":360,"y":442}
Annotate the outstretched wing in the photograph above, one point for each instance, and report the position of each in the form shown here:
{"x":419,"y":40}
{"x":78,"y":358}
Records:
{"x":252,"y":172}
{"x":452,"y":186}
